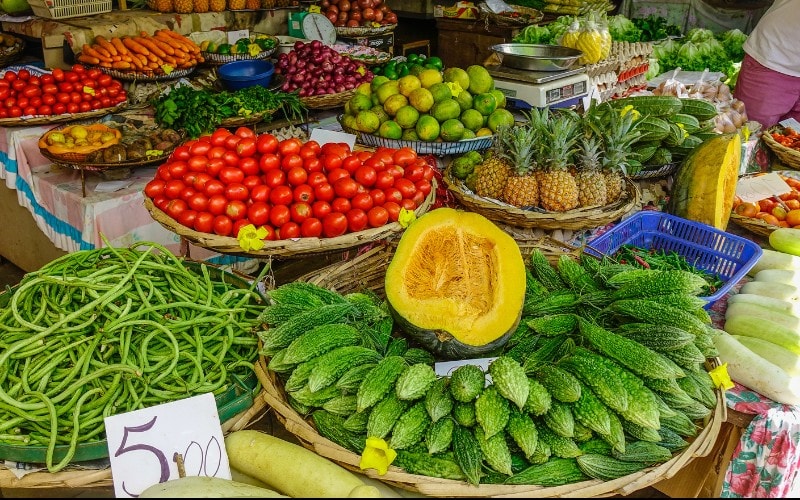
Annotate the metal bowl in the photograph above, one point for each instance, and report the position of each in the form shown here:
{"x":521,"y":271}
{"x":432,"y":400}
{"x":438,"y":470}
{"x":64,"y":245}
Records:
{"x":534,"y":57}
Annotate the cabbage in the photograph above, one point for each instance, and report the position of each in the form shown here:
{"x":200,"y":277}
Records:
{"x":533,"y":33}
{"x":697,"y":35}
{"x":733,"y":42}
{"x":665,"y":49}
{"x":653,"y":70}
{"x":622,"y":29}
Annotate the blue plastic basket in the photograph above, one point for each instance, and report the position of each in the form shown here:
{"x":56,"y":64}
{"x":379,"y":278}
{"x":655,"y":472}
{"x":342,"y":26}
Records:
{"x":705,"y":247}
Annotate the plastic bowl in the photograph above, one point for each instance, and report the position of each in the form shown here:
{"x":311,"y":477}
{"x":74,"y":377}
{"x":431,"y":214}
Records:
{"x":242,"y":74}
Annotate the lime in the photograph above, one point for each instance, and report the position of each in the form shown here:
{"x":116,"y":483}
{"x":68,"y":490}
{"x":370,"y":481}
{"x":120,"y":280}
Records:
{"x":224,"y":48}
{"x":393,"y":103}
{"x":359,"y":102}
{"x":387,"y":90}
{"x":407,"y":117}
{"x":435,"y":62}
{"x":408,"y":84}
{"x":409,"y":134}
{"x":480,"y":80}
{"x":377,"y":81}
{"x":440,"y":91}
{"x":468,"y":134}
{"x":421,"y":99}
{"x":483,"y":131}
{"x":500,"y":118}
{"x":457,"y":75}
{"x":367,"y":121}
{"x":391,"y":74}
{"x":484,"y":103}
{"x":464,"y":100}
{"x":390,"y":130}
{"x":380,"y":113}
{"x":427,"y":128}
{"x":445,"y":110}
{"x":365,"y":88}
{"x":415,"y":69}
{"x":349,"y":121}
{"x":430,"y":76}
{"x":472,"y":119}
{"x":499,"y":96}
{"x":452,"y":130}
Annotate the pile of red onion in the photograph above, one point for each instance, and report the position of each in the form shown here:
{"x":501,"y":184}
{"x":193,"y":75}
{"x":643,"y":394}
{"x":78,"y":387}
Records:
{"x":313,"y":68}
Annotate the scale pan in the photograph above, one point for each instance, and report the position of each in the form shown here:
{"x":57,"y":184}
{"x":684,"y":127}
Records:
{"x":534,"y":57}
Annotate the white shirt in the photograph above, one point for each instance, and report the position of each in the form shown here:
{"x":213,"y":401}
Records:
{"x":775,"y":41}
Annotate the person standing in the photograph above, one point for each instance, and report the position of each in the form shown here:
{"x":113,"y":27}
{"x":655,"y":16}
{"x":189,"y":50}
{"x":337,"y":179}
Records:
{"x":769,"y":79}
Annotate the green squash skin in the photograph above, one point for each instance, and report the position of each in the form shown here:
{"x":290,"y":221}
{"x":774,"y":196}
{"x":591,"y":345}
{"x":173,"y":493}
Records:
{"x":446,"y":347}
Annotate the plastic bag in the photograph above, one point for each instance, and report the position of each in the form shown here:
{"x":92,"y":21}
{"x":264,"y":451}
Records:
{"x":671,"y":86}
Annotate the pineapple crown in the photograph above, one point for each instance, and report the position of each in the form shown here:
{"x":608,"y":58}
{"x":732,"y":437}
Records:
{"x":591,"y":152}
{"x":562,"y":135}
{"x":520,"y":144}
{"x":621,"y":133}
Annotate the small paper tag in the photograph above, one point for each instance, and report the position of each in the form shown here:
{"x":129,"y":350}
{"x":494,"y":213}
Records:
{"x":323,"y":137}
{"x":761,"y":187}
{"x":791,"y":123}
{"x":315,"y":9}
{"x":235,"y":36}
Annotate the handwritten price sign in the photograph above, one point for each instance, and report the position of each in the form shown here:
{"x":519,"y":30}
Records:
{"x":761,"y":187}
{"x":145,"y":446}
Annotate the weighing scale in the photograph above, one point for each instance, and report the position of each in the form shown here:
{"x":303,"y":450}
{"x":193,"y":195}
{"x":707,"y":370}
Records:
{"x":525,"y":89}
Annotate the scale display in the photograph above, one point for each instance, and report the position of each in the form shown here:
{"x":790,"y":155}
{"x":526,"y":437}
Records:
{"x":539,"y":89}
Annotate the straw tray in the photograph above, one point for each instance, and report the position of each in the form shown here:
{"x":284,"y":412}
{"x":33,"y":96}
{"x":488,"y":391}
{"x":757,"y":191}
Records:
{"x":526,"y":16}
{"x":146,"y":76}
{"x":82,"y":164}
{"x":364,"y":31}
{"x":579,"y":218}
{"x":422,"y":147}
{"x":758,"y":226}
{"x":29,"y":121}
{"x":367,"y":272}
{"x":327,"y":101}
{"x":788,"y":156}
{"x":214,"y":59}
{"x":246,"y":121}
{"x":286,"y":249}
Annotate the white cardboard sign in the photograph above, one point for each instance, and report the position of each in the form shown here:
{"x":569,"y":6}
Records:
{"x":144,"y":445}
{"x":760,"y":187}
{"x":236,"y":35}
{"x":323,"y":136}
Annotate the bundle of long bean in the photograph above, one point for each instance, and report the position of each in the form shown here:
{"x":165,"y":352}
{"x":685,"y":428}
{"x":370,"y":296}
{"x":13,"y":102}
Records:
{"x":105,"y":331}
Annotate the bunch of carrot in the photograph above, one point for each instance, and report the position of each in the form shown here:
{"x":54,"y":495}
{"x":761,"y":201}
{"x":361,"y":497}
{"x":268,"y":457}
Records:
{"x":155,"y":53}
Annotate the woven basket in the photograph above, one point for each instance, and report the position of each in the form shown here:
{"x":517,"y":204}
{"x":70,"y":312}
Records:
{"x":146,"y":76}
{"x":29,"y":121}
{"x":788,"y":156}
{"x":246,"y":121}
{"x":528,"y":16}
{"x":756,"y":226}
{"x":579,"y":218}
{"x":13,"y":53}
{"x":327,"y":101}
{"x":655,"y":171}
{"x":367,"y":271}
{"x":214,"y":59}
{"x":286,"y":249}
{"x":364,"y":31}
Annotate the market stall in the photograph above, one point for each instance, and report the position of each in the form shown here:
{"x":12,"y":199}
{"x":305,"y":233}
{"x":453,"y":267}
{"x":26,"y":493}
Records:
{"x":573,"y":216}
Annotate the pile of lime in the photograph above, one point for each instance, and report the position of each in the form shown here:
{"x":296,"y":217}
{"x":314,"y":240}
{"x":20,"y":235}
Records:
{"x":252,"y":46}
{"x":413,"y":65}
{"x":444,"y":106}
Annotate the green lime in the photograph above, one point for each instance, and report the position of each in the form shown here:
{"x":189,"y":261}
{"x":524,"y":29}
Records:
{"x":452,"y":130}
{"x":434,"y":61}
{"x":391,"y":74}
{"x":390,"y":130}
{"x":391,"y":64}
{"x":403,"y":71}
{"x":224,"y":48}
{"x":427,"y":128}
{"x":412,"y":58}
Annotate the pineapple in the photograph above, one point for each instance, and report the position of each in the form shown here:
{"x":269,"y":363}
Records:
{"x":183,"y":6}
{"x":592,"y":189}
{"x":492,"y":174}
{"x":162,"y":6}
{"x":620,"y":134}
{"x":201,"y":6}
{"x":558,"y":191}
{"x":521,"y":145}
{"x":252,"y":4}
{"x":217,"y":5}
{"x":236,"y":4}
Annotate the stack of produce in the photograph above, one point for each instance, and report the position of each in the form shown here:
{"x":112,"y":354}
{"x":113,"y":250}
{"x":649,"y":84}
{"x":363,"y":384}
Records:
{"x":314,"y":69}
{"x":702,"y":49}
{"x":202,"y":6}
{"x":575,"y":7}
{"x":590,"y":35}
{"x":433,"y":105}
{"x":412,"y":65}
{"x":160,"y":53}
{"x":253,"y":45}
{"x":761,"y":341}
{"x":778,"y":211}
{"x":358,"y":13}
{"x":77,"y":90}
{"x":599,"y":370}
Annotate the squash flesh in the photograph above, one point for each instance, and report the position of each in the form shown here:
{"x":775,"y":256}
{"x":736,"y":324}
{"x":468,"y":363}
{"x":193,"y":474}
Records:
{"x":460,"y":275}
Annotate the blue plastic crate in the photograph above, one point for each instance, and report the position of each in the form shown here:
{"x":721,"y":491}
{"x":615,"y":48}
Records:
{"x":723,"y":254}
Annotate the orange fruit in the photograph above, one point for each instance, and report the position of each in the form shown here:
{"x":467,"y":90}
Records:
{"x":779,"y":212}
{"x":766,"y":205}
{"x":783,"y":223}
{"x":747,"y":209}
{"x":793,"y":217}
{"x":792,"y":204}
{"x":768,"y":218}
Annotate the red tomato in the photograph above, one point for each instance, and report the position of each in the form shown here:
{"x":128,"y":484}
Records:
{"x":275,"y":177}
{"x":290,"y":146}
{"x":246,"y":147}
{"x":214,"y":187}
{"x":406,"y":187}
{"x":187,"y":218}
{"x":197,"y":164}
{"x":161,"y":202}
{"x":310,"y":149}
{"x":48,"y":99}
{"x":59,"y":108}
{"x":424,"y":186}
{"x":162,"y":172}
{"x":236,"y":209}
{"x":366,"y":175}
{"x":351,"y":163}
{"x":217,"y":204}
{"x":378,"y":196}
{"x":14,"y":111}
{"x":31,"y":111}
{"x":204,"y":222}
{"x":103,"y":80}
{"x":245,"y":133}
{"x":296,"y":175}
{"x":231,"y":141}
{"x":260,"y":193}
{"x":231,"y":158}
{"x":362,"y":201}
{"x":291,"y":161}
{"x":320,"y":208}
{"x":408,"y":204}
{"x":154,"y":188}
{"x":175,"y":208}
{"x":279,"y":215}
{"x":251,"y":181}
{"x":304,"y":193}
{"x":331,"y":162}
{"x":324,"y":192}
{"x":414,"y":172}
{"x":404,"y":156}
{"x":216,"y":152}
{"x":84,"y":107}
{"x":281,"y":195}
{"x":396,"y":170}
{"x":300,"y":211}
{"x":269,"y":161}
{"x":187,"y":193}
{"x":377,"y":216}
{"x":339,"y":149}
{"x":356,"y":220}
{"x":238,"y":225}
{"x":312,"y":164}
{"x":258,"y":213}
{"x":230,"y":175}
{"x":177,"y":169}
{"x":58,"y":74}
{"x":223,"y":225}
{"x":174,"y":188}
{"x":393,"y":194}
{"x":23,"y":74}
{"x":334,"y":224}
{"x":289,"y":230}
{"x":266,"y":144}
{"x":199,"y":181}
{"x":336,"y":174}
{"x":316,"y":178}
{"x":384,"y":180}
{"x":218,"y":137}
{"x":341,"y":205}
{"x":213,"y":167}
{"x":198,"y":202}
{"x":394,"y":210}
{"x":311,"y":228}
{"x":249,"y":166}
{"x":78,"y":68}
{"x":418,"y":198}
{"x":236,"y":191}
{"x":181,"y":153}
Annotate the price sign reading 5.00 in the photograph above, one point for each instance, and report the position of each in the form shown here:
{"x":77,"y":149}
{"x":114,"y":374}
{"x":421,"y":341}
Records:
{"x":148,"y":446}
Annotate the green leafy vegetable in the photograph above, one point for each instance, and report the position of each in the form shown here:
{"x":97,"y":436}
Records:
{"x":533,"y":33}
{"x":622,"y":29}
{"x":733,"y":42}
{"x":655,"y":28}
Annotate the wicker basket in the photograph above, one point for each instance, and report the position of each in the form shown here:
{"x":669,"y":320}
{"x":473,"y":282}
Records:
{"x":146,"y":76}
{"x":286,"y":249}
{"x":29,"y":121}
{"x":758,"y":226}
{"x":327,"y":101}
{"x":364,"y":31}
{"x":788,"y":156}
{"x":214,"y":59}
{"x":246,"y":121}
{"x":367,"y":271}
{"x":579,"y":218}
{"x":655,"y":171}
{"x":528,"y":15}
{"x":10,"y":55}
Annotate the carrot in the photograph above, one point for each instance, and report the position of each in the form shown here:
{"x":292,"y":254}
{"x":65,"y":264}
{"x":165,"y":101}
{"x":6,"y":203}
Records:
{"x":150,"y":46}
{"x":87,"y":59}
{"x":135,"y":46}
{"x":182,"y":40}
{"x":104,"y":64}
{"x":121,"y":48}
{"x":101,"y":50}
{"x":101,"y":40}
{"x":91,"y":52}
{"x":121,"y":65}
{"x":166,"y":47}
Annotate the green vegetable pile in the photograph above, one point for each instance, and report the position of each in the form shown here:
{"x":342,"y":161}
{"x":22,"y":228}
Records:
{"x":701,"y":49}
{"x":111,"y":330}
{"x":202,"y":111}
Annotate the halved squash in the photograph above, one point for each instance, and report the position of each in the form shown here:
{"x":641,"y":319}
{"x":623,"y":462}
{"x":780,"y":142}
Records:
{"x":456,"y":284}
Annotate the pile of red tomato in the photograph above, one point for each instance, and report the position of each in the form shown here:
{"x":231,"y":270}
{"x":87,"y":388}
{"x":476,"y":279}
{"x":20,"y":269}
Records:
{"x":77,"y":90}
{"x":224,"y":181}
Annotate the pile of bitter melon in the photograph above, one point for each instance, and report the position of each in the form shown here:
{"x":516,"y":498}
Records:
{"x":603,"y":377}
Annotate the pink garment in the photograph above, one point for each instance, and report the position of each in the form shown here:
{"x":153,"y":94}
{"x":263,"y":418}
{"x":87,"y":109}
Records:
{"x":768,"y":96}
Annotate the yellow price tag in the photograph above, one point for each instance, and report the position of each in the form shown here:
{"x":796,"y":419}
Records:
{"x":315,"y":9}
